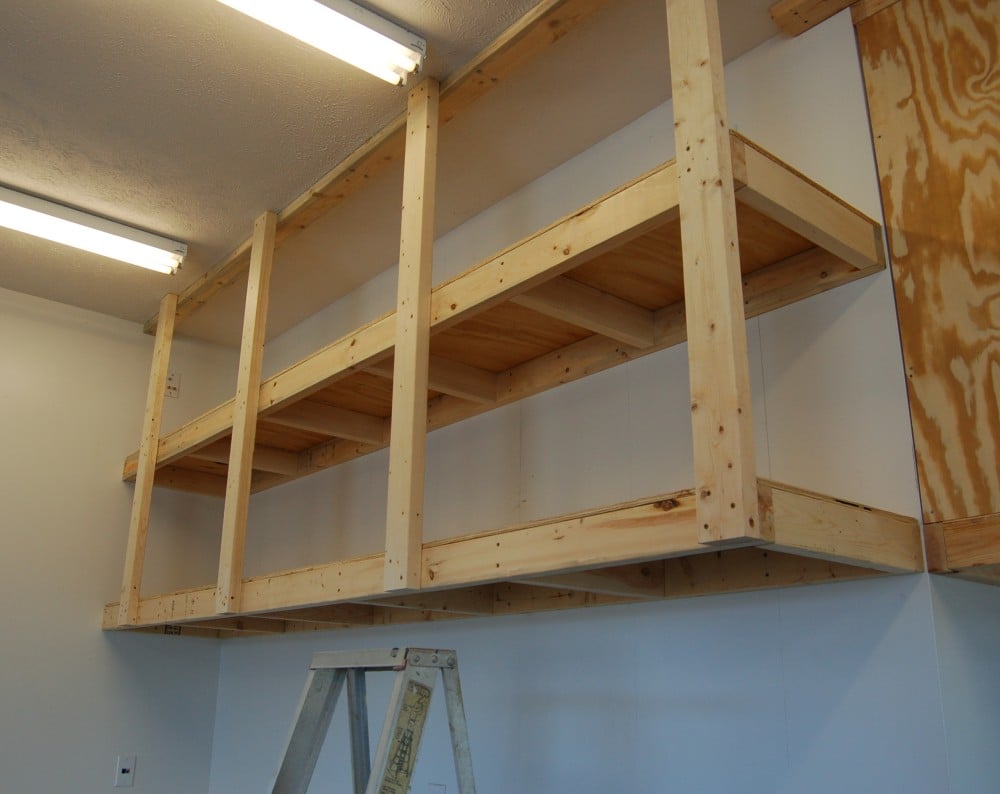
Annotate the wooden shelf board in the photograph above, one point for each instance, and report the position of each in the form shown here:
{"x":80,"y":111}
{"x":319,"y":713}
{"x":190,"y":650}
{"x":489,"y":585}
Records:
{"x":634,"y":552}
{"x":609,"y":266}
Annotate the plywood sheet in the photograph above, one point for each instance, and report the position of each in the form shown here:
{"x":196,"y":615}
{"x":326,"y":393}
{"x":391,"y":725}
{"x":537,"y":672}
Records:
{"x":931,"y":71}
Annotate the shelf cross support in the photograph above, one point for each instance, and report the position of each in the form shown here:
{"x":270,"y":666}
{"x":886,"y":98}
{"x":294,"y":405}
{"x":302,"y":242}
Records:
{"x":238,"y":479}
{"x":135,"y":552}
{"x":408,"y":429}
{"x":725,"y":476}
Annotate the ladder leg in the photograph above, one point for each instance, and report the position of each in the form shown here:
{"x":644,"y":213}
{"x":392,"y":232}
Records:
{"x":459,"y":730}
{"x":396,"y":756}
{"x":315,"y":710}
{"x":357,"y":701}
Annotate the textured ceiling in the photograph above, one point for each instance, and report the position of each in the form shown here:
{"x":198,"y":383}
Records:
{"x":188,"y":119}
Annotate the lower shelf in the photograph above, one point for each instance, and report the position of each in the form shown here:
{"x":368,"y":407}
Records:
{"x":639,"y":551}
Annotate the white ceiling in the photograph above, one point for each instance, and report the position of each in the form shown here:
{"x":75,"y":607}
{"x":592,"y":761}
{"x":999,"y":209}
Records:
{"x":188,"y":119}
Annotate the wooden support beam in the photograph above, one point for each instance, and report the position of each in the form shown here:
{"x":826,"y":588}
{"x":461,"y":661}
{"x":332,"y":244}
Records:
{"x":725,"y":476}
{"x":586,"y":307}
{"x":515,"y":598}
{"x":451,"y":377}
{"x":408,"y":436}
{"x":638,"y":581}
{"x":642,"y":531}
{"x":796,"y":202}
{"x":330,"y":420}
{"x":962,"y":544}
{"x":797,"y":16}
{"x":142,"y":497}
{"x":814,"y":525}
{"x":234,"y":520}
{"x":268,"y":459}
{"x":465,"y":601}
{"x":177,"y":478}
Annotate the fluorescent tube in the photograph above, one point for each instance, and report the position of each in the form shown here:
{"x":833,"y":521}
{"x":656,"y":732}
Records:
{"x":31,"y":215}
{"x":345,"y":31}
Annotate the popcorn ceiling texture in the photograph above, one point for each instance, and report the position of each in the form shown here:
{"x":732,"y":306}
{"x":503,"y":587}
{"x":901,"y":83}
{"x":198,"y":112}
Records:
{"x":190,"y":119}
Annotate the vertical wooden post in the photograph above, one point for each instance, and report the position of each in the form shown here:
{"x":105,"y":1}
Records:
{"x":234,"y":519}
{"x":408,"y":435}
{"x":725,"y":475}
{"x":135,"y":552}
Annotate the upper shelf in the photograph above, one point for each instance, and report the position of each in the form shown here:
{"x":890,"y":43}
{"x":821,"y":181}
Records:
{"x":598,"y":288}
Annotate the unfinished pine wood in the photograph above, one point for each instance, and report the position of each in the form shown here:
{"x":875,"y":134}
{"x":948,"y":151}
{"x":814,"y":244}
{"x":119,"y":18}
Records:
{"x":814,"y":525}
{"x":142,"y":497}
{"x":500,"y":352}
{"x":798,"y":16}
{"x":963,"y":544}
{"x":234,"y":518}
{"x":635,"y":551}
{"x":408,"y":434}
{"x":579,"y":304}
{"x":862,"y":9}
{"x":930,"y":69}
{"x":725,"y":477}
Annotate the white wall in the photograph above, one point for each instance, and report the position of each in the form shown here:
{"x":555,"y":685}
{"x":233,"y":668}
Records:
{"x":825,"y":689}
{"x":72,"y":386}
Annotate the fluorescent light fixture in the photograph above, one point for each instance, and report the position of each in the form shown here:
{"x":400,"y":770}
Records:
{"x":31,"y":215}
{"x":345,"y":31}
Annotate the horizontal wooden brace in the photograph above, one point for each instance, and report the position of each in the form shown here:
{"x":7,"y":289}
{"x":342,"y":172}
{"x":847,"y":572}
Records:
{"x":465,"y":601}
{"x":810,"y":524}
{"x":797,"y":16}
{"x":586,"y":307}
{"x":793,"y":200}
{"x":636,"y":581}
{"x":331,"y":420}
{"x":963,"y":544}
{"x":277,"y":461}
{"x":451,"y":377}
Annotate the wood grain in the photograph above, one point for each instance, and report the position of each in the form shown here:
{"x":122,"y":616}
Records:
{"x":931,"y":71}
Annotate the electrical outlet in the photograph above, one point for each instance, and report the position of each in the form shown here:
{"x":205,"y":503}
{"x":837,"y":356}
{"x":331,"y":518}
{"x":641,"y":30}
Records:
{"x":125,"y":771}
{"x":173,"y":384}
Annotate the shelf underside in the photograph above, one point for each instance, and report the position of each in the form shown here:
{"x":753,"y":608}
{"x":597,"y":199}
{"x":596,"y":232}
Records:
{"x":596,"y":289}
{"x":644,"y":550}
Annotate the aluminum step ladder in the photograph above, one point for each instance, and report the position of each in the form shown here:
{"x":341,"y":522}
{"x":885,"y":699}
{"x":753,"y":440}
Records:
{"x":392,"y":770}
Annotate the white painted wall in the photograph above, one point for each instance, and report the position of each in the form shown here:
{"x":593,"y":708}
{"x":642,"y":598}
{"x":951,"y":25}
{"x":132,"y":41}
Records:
{"x":72,"y":386}
{"x":826,"y":689}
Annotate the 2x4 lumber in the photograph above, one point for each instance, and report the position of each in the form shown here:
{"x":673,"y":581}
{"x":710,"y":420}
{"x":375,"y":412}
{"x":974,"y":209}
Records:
{"x":451,"y":377}
{"x":634,"y":532}
{"x":725,"y":476}
{"x":862,"y":9}
{"x":796,"y":202}
{"x":814,"y":525}
{"x":797,"y":16}
{"x":963,"y":543}
{"x":531,"y":35}
{"x":135,"y":551}
{"x":756,"y":568}
{"x":331,"y":420}
{"x":515,"y":598}
{"x":408,"y":434}
{"x":586,"y":307}
{"x":268,"y":459}
{"x":176,"y":478}
{"x":462,"y":601}
{"x":624,"y":214}
{"x":234,"y":518}
{"x":629,"y":212}
{"x":637,"y":581}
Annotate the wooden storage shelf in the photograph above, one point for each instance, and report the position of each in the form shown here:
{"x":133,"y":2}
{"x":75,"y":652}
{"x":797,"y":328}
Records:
{"x":605,"y":285}
{"x":596,"y":289}
{"x":644,"y":550}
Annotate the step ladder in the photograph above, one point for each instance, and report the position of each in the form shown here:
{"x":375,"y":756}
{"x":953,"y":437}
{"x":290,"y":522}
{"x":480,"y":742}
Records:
{"x":392,"y":770}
